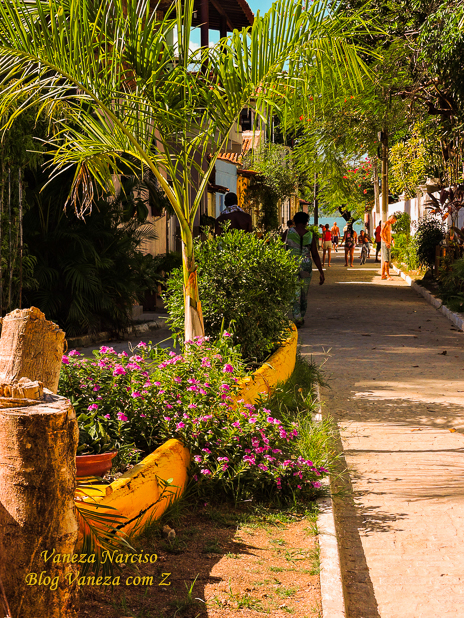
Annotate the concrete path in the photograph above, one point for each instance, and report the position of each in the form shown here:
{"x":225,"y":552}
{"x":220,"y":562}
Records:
{"x":396,"y":370}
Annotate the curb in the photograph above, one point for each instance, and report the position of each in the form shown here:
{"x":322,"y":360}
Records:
{"x":455,"y":318}
{"x":333,"y":600}
{"x":88,"y":340}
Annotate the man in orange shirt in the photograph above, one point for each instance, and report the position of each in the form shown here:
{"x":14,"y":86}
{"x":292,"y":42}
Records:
{"x":386,"y":237}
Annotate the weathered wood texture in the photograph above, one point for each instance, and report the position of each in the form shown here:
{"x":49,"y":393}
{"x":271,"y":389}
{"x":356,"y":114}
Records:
{"x":37,"y":480}
{"x":38,"y":442}
{"x":32,"y":347}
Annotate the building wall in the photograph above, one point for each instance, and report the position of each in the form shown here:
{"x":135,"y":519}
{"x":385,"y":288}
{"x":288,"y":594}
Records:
{"x":226,"y":176}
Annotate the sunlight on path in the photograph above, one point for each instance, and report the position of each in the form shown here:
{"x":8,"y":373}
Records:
{"x":396,"y":370}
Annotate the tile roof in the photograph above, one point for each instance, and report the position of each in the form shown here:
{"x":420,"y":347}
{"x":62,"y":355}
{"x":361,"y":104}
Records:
{"x":250,"y":139}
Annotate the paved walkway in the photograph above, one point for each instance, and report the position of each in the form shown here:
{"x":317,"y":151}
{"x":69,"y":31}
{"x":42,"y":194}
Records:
{"x":397,"y":392}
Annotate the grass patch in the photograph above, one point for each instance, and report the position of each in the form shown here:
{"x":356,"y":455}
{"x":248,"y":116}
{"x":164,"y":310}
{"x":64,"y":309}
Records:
{"x":284,"y":592}
{"x":212,"y":547}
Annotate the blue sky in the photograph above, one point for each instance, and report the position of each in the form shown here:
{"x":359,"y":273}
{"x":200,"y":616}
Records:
{"x":259,"y":5}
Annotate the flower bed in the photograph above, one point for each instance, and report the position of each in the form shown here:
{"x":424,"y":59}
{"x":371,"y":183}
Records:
{"x":237,"y":448}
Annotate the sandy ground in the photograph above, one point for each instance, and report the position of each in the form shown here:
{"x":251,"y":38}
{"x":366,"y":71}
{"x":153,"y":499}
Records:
{"x":396,"y":370}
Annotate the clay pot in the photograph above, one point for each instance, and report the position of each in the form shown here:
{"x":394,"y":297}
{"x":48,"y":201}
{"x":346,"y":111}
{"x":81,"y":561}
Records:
{"x":94,"y":465}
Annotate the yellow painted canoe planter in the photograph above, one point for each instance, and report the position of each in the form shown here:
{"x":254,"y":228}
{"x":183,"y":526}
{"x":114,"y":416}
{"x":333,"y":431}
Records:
{"x":135,"y":493}
{"x":278,"y":368}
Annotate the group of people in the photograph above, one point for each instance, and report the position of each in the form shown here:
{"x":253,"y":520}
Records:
{"x":303,"y":243}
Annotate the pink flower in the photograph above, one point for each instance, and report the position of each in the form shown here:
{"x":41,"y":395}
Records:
{"x":107,"y":416}
{"x":206,"y":450}
{"x":205,"y":471}
{"x":142,"y":344}
{"x":103,"y":349}
{"x":96,"y":388}
{"x":167,"y":418}
{"x":65,"y":360}
{"x":93,"y":406}
{"x":227,"y":368}
{"x":168,"y":406}
{"x":143,"y":415}
{"x":192,"y":405}
{"x":73,"y":353}
{"x":123,"y":354}
{"x":135,"y":394}
{"x":316,"y":484}
{"x":119,"y":370}
{"x":236,"y":424}
{"x":197,"y":458}
{"x":223,"y":459}
{"x":180,"y":425}
{"x":176,"y":379}
{"x":226,"y":334}
{"x":122,"y":416}
{"x":225,"y":387}
{"x":157,"y":383}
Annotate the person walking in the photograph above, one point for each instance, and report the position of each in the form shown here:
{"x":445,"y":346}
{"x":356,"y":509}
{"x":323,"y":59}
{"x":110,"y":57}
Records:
{"x":239,"y":219}
{"x":326,"y":245}
{"x":303,"y":244}
{"x":335,"y":236}
{"x":378,"y":241}
{"x":290,"y":224}
{"x":350,"y":239}
{"x":386,"y":237}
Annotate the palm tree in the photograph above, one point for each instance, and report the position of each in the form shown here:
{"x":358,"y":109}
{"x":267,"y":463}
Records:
{"x":125,"y":89}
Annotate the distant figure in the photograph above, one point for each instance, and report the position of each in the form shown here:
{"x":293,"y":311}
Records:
{"x":350,"y":239}
{"x":239,"y":219}
{"x":290,"y":224}
{"x":386,"y":237}
{"x":326,"y":245}
{"x":335,"y":236}
{"x":378,"y":241}
{"x":302,"y":243}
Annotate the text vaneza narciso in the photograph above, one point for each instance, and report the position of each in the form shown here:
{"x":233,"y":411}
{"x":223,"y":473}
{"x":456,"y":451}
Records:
{"x":116,"y":557}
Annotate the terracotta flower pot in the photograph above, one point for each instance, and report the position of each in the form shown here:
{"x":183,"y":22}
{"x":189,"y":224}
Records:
{"x":94,"y":465}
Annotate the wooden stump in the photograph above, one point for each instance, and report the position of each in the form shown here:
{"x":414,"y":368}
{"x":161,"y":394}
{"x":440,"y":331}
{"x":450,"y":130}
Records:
{"x":31,"y":347}
{"x":38,"y":442}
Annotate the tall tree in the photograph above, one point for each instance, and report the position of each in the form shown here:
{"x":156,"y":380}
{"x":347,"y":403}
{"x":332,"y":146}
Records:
{"x":124,"y":95}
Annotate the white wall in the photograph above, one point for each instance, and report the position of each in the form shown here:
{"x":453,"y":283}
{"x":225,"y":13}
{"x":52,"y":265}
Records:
{"x":413,"y":206}
{"x":226,"y":176}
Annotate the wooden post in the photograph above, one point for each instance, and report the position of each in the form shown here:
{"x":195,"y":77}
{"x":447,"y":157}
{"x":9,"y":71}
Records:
{"x":31,"y":347}
{"x":38,"y":441}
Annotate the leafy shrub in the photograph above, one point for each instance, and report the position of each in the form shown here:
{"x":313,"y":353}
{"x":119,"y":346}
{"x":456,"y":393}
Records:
{"x":405,"y":250}
{"x":403,"y":223}
{"x":243,"y":280}
{"x":237,"y":449}
{"x":88,"y":273}
{"x":429,"y":233}
{"x":451,"y":285}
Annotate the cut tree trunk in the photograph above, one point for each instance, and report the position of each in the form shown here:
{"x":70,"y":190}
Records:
{"x":38,"y":441}
{"x":31,"y":347}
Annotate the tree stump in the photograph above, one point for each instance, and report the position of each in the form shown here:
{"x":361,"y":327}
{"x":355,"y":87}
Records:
{"x":38,"y":442}
{"x":31,"y":347}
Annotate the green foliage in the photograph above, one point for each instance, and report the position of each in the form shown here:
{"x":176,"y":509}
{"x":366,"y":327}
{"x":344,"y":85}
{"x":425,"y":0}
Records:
{"x":451,"y":285}
{"x":88,"y":272}
{"x":402,"y":224}
{"x":405,"y":250}
{"x":412,"y":160}
{"x":247,"y":284}
{"x":429,"y":233}
{"x":277,"y":180}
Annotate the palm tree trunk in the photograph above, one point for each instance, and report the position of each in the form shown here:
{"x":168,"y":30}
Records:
{"x":194,"y":326}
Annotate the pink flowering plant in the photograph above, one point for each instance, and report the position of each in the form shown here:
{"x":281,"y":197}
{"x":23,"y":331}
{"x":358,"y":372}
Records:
{"x":242,"y":451}
{"x":123,"y":400}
